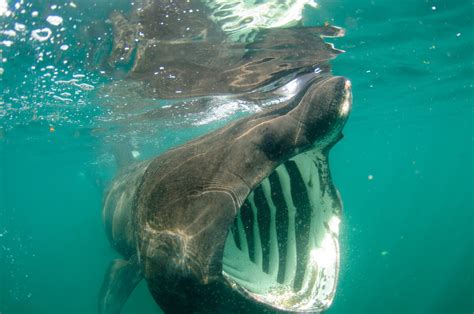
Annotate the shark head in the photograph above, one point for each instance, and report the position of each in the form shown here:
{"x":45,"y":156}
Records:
{"x":248,"y":215}
{"x":283,"y":246}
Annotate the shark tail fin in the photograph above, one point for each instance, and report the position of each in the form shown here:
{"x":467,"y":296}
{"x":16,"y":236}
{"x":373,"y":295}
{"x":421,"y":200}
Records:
{"x":120,"y":280}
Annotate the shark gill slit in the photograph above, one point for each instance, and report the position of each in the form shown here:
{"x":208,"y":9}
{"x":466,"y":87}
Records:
{"x":273,"y":251}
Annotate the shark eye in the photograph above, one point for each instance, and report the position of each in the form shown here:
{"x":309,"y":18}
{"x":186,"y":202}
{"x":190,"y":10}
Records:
{"x":272,"y":146}
{"x":282,"y":249}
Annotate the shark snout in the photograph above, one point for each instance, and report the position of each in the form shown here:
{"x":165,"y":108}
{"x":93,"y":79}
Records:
{"x":324,"y":108}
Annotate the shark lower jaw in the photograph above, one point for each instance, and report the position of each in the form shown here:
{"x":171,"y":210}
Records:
{"x":282,"y":249}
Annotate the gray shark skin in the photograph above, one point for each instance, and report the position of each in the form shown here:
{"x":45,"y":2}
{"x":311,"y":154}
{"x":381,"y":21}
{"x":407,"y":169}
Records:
{"x":181,"y":220}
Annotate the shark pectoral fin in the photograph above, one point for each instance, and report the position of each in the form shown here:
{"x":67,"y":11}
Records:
{"x":120,"y":280}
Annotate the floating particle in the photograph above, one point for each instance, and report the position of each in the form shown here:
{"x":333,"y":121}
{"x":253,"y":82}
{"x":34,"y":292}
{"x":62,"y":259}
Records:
{"x":64,"y":47}
{"x":370,"y":177}
{"x":433,"y":8}
{"x":383,"y":253}
{"x":41,"y":34}
{"x":54,"y":20}
{"x":69,"y":82}
{"x":34,"y":13}
{"x":52,"y":129}
{"x":84,"y":86}
{"x":9,"y":32}
{"x":458,"y":34}
{"x":62,"y":99}
{"x":6,"y":43}
{"x":4,"y":9}
{"x":20,"y":27}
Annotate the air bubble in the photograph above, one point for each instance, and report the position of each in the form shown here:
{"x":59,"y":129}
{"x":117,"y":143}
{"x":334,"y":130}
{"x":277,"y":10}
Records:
{"x":54,"y":20}
{"x":6,"y":43}
{"x":41,"y":34}
{"x":9,"y":33}
{"x":20,"y":27}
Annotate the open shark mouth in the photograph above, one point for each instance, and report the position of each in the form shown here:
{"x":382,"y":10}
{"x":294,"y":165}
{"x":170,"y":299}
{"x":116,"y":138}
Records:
{"x":282,"y":249}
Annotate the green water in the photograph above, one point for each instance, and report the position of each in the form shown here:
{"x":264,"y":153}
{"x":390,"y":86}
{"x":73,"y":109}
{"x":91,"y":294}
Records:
{"x":404,"y":168}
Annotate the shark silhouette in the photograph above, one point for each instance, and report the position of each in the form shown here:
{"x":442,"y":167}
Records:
{"x":244,"y":219}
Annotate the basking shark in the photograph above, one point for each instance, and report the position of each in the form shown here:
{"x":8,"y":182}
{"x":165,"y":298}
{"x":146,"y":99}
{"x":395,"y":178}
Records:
{"x":244,"y":219}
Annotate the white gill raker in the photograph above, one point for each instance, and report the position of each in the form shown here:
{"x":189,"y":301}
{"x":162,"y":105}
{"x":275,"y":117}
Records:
{"x":326,"y":248}
{"x":310,"y":176}
{"x":290,"y":271}
{"x":307,"y":291}
{"x":274,"y":260}
{"x":329,"y":199}
{"x":257,"y":240}
{"x":309,"y":287}
{"x":243,"y":278}
{"x":335,"y":276}
{"x":242,"y":236}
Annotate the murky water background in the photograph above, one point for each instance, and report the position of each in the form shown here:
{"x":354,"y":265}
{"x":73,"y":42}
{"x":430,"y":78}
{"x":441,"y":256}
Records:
{"x":404,"y":168}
